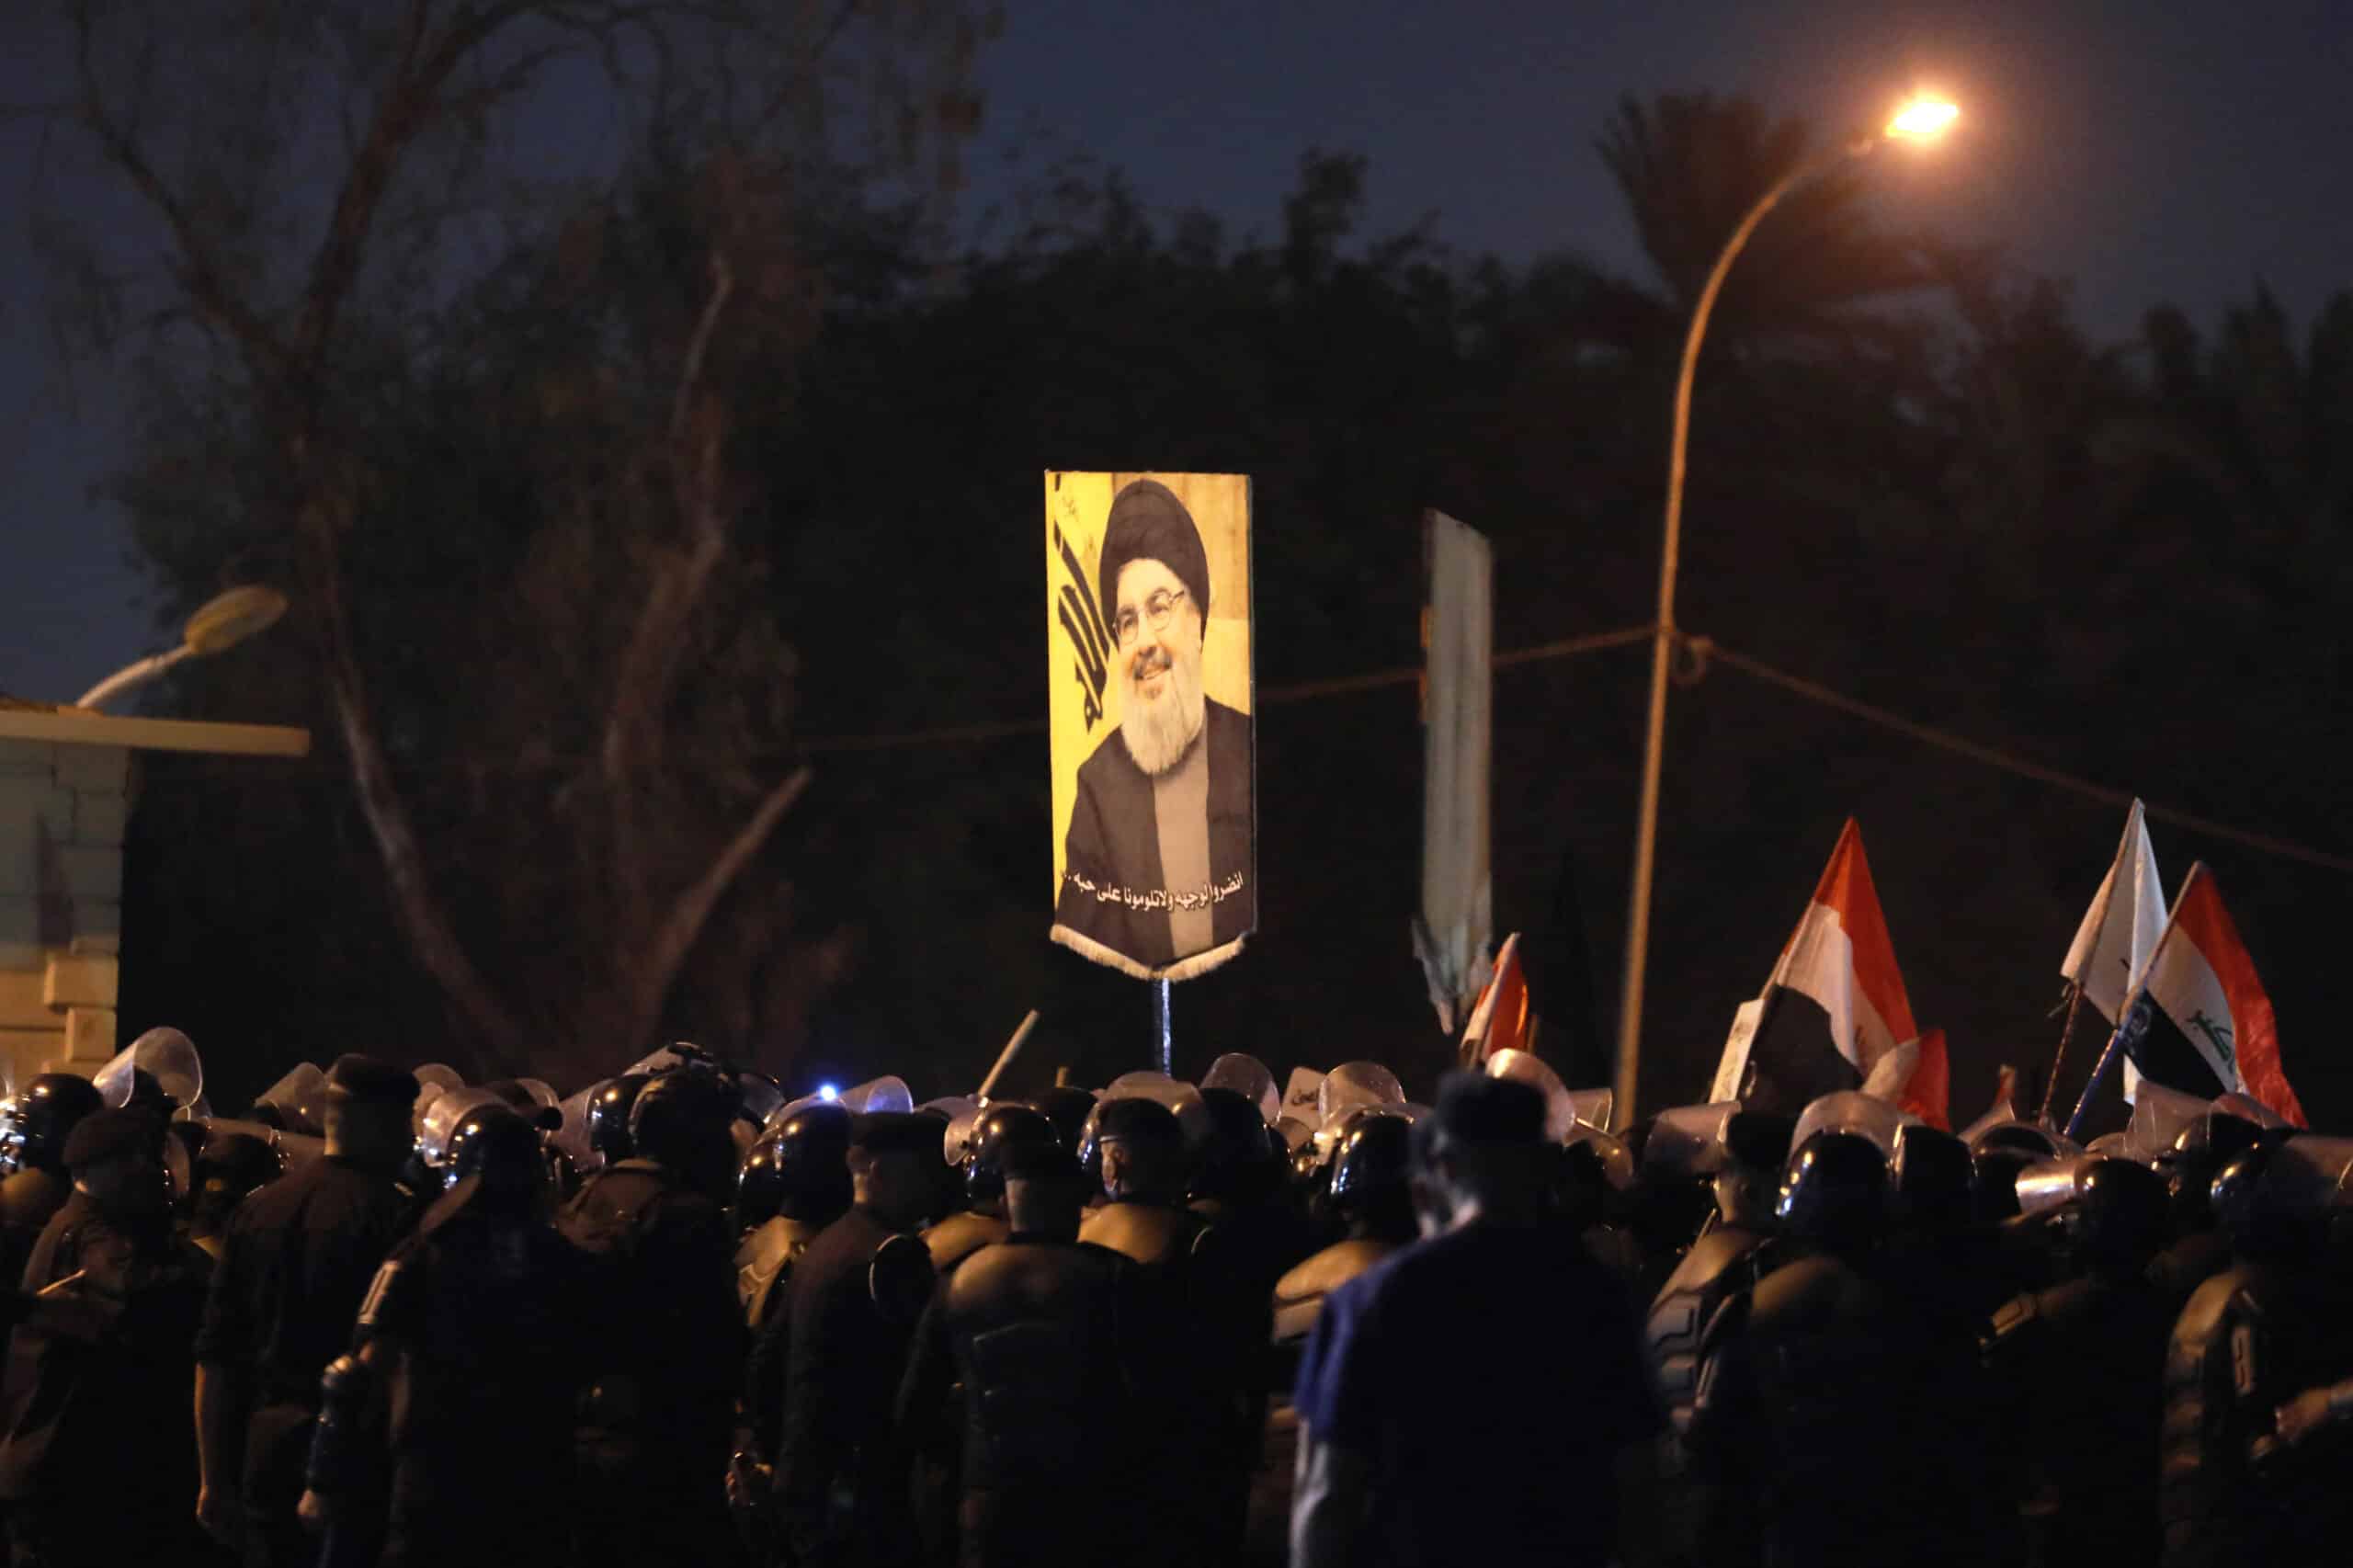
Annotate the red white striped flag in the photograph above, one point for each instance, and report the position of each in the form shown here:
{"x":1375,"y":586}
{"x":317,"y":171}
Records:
{"x":1500,"y":1020}
{"x":1842,"y":957}
{"x":2201,"y":1017}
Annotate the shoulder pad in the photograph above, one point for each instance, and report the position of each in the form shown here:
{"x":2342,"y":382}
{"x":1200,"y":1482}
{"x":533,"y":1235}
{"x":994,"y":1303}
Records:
{"x":1208,"y":1238}
{"x":1725,"y":1322}
{"x":1722,"y":1248}
{"x":2208,"y":1309}
{"x":958,"y":1237}
{"x":900,"y":1279}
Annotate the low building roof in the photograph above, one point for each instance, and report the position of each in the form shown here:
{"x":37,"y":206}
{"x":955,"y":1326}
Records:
{"x":84,"y":727}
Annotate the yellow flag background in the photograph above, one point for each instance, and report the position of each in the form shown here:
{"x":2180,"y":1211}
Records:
{"x":1076,"y":507}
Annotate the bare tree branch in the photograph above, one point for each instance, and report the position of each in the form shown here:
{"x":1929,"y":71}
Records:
{"x":666,"y":953}
{"x":415,"y":904}
{"x":407,"y":103}
{"x":201,"y":272}
{"x":648,"y":664}
{"x":723,"y":288}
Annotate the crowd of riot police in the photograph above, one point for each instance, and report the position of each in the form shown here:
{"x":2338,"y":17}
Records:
{"x":389,"y":1318}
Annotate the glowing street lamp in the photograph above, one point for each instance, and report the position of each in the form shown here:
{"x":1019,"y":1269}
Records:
{"x":1922,"y":119}
{"x":220,"y":624}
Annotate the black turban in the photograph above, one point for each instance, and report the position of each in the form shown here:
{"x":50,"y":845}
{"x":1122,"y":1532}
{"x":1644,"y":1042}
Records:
{"x":1148,"y":523}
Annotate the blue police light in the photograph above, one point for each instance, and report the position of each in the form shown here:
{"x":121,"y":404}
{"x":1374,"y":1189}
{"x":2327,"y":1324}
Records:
{"x":828,"y":1094}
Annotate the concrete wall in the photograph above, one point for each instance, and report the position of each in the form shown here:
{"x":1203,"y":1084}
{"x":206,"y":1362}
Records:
{"x":63,"y":810}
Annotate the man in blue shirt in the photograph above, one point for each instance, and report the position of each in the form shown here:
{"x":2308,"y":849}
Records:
{"x":1482,"y":1395}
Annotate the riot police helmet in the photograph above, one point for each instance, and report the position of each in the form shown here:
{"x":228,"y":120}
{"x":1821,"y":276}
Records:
{"x":1370,"y":1175}
{"x":2199,"y":1152}
{"x":2274,"y":1199}
{"x":2236,"y":1194}
{"x":609,"y":1115}
{"x":2036,"y":1141}
{"x":1310,"y":1175}
{"x":1993,"y":1181}
{"x":1758,"y":1139}
{"x":1067,"y":1106}
{"x":808,"y":1163}
{"x":2119,"y":1215}
{"x":1136,"y":1119}
{"x":1833,"y":1193}
{"x":502,"y":1148}
{"x":466,"y":1130}
{"x":51,"y":1105}
{"x":224,"y":1170}
{"x":1000,"y":1130}
{"x":1237,"y":1163}
{"x":681,"y":1119}
{"x":759,"y":1190}
{"x":1934,"y":1180}
{"x":1150,"y":1143}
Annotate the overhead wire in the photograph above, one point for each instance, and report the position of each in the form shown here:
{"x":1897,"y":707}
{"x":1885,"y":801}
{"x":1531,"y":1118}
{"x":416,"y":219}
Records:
{"x":1703,"y":652}
{"x":1706,"y":649}
{"x":1993,"y":757}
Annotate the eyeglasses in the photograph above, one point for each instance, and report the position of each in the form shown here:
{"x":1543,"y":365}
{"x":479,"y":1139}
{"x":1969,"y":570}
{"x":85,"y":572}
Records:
{"x":1156,"y":611}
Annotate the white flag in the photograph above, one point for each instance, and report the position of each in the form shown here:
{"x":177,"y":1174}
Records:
{"x":2120,"y":932}
{"x":1458,"y":636}
{"x":1732,"y":1066}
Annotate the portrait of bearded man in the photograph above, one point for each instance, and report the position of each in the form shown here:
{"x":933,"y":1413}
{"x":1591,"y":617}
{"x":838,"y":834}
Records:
{"x":1158,"y":877}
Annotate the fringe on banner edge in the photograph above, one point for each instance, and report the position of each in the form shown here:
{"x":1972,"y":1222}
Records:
{"x":1192,"y":968}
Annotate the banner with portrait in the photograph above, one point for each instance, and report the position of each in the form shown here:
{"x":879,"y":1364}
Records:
{"x":1150,"y":700}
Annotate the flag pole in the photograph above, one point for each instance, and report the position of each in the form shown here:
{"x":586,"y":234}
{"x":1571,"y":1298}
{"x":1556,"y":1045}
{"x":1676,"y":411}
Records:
{"x":2066,"y":1033}
{"x":1160,"y":1027}
{"x":1747,"y":1085}
{"x":2135,"y":1014}
{"x":1005,"y":1058}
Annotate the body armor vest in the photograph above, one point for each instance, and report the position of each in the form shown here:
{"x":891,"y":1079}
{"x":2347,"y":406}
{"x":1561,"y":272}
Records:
{"x":1720,"y":1265}
{"x":1039,"y":1325}
{"x":1299,"y":1295}
{"x":2078,"y":1373}
{"x":1844,"y":1429}
{"x":764,"y":1261}
{"x":1157,"y":1236}
{"x":2251,"y":1338}
{"x":960,"y":1235}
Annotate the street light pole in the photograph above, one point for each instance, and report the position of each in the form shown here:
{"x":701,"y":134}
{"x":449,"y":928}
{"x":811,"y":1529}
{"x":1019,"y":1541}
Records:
{"x":222,"y":622}
{"x":1915,"y":121}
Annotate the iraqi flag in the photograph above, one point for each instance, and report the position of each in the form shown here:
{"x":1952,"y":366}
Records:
{"x":1501,"y":1021}
{"x":2200,"y":1022}
{"x":1841,"y":958}
{"x":2120,"y":931}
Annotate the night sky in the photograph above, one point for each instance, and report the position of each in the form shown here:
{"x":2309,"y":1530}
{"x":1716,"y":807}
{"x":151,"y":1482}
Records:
{"x":2144,"y":149}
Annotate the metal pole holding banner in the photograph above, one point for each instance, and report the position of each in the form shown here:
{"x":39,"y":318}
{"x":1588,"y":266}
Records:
{"x":1160,"y":1027}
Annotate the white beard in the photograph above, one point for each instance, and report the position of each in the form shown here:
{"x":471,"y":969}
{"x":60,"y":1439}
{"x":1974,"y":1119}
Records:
{"x":1158,"y":730}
